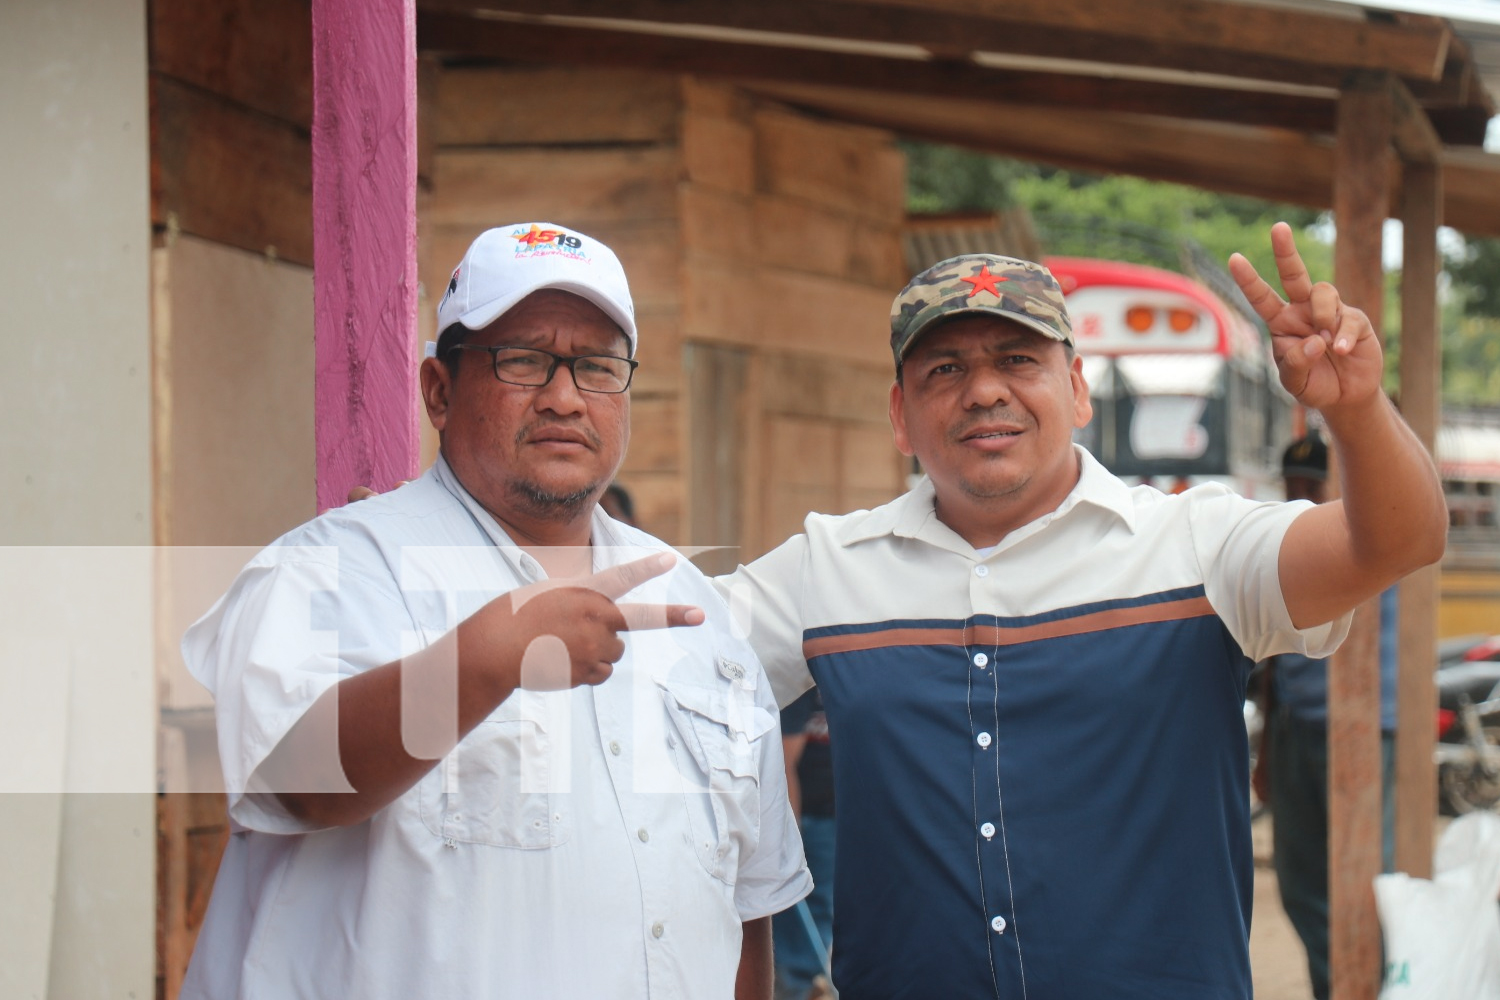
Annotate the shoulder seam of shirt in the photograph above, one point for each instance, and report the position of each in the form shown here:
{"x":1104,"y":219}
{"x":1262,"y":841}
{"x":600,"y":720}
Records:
{"x":865,"y":525}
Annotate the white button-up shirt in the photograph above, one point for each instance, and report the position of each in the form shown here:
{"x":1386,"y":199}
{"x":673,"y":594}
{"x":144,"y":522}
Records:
{"x":604,"y":841}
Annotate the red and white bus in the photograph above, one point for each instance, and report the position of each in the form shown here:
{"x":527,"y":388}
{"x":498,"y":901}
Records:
{"x":1183,"y":384}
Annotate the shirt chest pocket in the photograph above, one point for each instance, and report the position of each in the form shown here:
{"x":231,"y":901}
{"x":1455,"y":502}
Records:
{"x":717,"y":734}
{"x":495,"y":787}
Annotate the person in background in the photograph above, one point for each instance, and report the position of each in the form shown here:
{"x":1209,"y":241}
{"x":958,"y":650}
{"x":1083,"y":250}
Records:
{"x":804,"y":934}
{"x":617,"y":504}
{"x":1292,"y":769}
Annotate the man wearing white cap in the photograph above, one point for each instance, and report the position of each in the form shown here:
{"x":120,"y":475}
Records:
{"x":456,"y":766}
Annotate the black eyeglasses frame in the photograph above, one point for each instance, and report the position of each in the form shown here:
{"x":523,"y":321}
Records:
{"x":558,"y":360}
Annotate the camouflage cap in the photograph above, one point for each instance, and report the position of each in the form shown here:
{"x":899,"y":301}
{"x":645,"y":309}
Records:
{"x":979,"y":283}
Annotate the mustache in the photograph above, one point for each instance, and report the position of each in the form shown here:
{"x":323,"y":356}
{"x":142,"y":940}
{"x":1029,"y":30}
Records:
{"x":994,"y":415}
{"x":588,"y":434}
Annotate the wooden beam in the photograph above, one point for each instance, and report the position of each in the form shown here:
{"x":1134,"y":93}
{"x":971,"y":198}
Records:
{"x":1310,"y":49}
{"x":1460,"y":84}
{"x":1260,"y":163}
{"x":257,"y":53}
{"x":1466,"y":126}
{"x":228,"y":174}
{"x":1412,"y":132}
{"x":585,"y":104}
{"x":1276,"y":165}
{"x":1471,"y":192}
{"x":511,"y":40}
{"x":1411,"y":50}
{"x":1361,"y":197}
{"x":1421,"y":375}
{"x":365,"y":244}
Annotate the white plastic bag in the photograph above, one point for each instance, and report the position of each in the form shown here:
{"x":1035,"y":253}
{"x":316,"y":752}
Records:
{"x":1442,"y":937}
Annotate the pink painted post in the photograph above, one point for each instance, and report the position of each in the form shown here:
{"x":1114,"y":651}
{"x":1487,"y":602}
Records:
{"x":364,"y":171}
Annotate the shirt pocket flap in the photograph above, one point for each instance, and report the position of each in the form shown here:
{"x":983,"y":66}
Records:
{"x":731,"y":707}
{"x":719,"y":727}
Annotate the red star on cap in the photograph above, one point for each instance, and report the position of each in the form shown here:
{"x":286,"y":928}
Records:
{"x":984,"y":280}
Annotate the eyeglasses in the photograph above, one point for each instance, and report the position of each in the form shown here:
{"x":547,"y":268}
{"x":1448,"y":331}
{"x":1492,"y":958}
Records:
{"x":535,"y":368}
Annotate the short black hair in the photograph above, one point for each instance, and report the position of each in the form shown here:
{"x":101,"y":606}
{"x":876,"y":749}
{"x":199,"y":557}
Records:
{"x":447,"y":345}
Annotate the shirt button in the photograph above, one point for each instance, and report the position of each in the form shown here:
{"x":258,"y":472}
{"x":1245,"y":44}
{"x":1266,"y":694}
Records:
{"x":997,"y":925}
{"x":988,"y":829}
{"x":643,"y":834}
{"x":614,"y":747}
{"x":981,"y":660}
{"x":981,"y":571}
{"x":671,"y":741}
{"x":657,"y":930}
{"x":983,"y":739}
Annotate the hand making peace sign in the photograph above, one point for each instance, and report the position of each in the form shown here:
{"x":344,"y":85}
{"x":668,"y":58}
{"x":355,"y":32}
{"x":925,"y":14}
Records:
{"x":1327,"y":351}
{"x":579,"y":622}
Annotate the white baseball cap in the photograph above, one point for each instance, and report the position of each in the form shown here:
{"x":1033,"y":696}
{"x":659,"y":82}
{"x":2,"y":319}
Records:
{"x":508,"y":263}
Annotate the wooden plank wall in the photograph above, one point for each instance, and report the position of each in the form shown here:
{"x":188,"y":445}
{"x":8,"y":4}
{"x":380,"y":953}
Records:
{"x":231,"y":105}
{"x":791,"y":231}
{"x":768,"y":237}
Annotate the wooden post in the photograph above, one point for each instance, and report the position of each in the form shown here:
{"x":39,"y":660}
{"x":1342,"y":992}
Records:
{"x":1421,"y":368}
{"x":1360,"y":197}
{"x":364,"y":169}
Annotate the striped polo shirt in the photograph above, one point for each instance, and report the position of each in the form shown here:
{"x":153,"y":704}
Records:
{"x":1039,"y":750}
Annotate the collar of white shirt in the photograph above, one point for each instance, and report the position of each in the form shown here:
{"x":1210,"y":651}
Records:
{"x":914,"y":514}
{"x":602,"y":533}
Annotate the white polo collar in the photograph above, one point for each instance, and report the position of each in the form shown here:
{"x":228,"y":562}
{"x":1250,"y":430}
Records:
{"x":914,"y":514}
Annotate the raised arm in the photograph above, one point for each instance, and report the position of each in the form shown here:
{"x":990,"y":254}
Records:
{"x":1392,"y":518}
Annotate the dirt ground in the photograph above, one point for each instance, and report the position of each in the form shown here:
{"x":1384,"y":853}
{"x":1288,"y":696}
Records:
{"x":1278,"y":964}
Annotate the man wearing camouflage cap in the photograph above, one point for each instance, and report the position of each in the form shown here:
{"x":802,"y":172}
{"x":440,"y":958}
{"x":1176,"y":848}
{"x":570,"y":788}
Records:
{"x":1034,"y":674}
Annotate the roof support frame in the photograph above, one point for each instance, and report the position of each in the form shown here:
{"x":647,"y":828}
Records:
{"x":1361,"y":192}
{"x":1418,"y":52}
{"x":1421,"y":376}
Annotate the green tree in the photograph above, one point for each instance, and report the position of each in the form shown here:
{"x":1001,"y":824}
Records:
{"x":1471,"y":325}
{"x":1475,"y":270}
{"x":949,"y":179}
{"x":1127,"y":218}
{"x":1123,"y":218}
